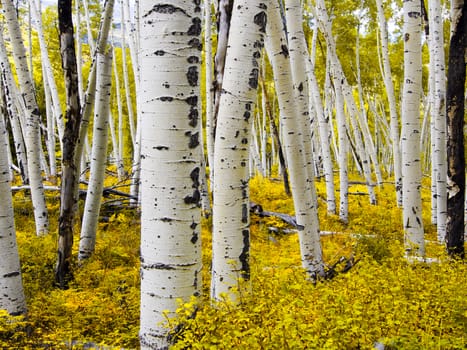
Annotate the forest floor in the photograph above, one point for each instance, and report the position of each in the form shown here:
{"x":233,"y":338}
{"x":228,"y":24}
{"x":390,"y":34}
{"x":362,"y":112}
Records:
{"x":383,"y":299}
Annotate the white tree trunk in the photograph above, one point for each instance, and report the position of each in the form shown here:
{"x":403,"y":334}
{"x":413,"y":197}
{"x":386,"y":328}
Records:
{"x":98,"y":158}
{"x":295,"y":133}
{"x":9,"y":88}
{"x":436,"y":42}
{"x":411,"y":165}
{"x":169,"y":103}
{"x":231,"y":219}
{"x":394,"y":120}
{"x":32,"y":138}
{"x":12,"y":296}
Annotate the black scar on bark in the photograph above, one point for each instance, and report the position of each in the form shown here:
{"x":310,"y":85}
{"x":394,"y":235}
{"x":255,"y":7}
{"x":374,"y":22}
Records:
{"x":246,"y":115}
{"x":194,"y":238}
{"x":406,"y":37}
{"x":11,"y":274}
{"x":253,"y":80}
{"x":195,"y":28}
{"x":260,"y":19}
{"x":414,"y":14}
{"x":193,"y":117}
{"x":245,"y":255}
{"x":194,"y":139}
{"x":300,"y":87}
{"x":284,"y":51}
{"x":192,"y":76}
{"x":165,"y":8}
{"x":195,"y":43}
{"x":193,"y":59}
{"x":166,"y":98}
{"x":263,"y":6}
{"x":159,"y":53}
{"x":161,"y":148}
{"x":195,"y":198}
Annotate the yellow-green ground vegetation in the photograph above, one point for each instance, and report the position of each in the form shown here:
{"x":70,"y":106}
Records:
{"x":383,"y":298}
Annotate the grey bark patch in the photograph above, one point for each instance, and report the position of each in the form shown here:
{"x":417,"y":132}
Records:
{"x":245,"y":212}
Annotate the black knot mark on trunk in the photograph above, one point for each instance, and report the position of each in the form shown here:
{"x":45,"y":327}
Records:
{"x":260,"y":20}
{"x":284,"y":50}
{"x":166,"y":9}
{"x":193,"y":59}
{"x":196,"y":196}
{"x":192,"y":76}
{"x":414,"y":14}
{"x":196,"y":44}
{"x":253,"y":79}
{"x":194,"y":139}
{"x":193,"y":116}
{"x":195,"y":28}
{"x":159,"y":53}
{"x":245,"y":255}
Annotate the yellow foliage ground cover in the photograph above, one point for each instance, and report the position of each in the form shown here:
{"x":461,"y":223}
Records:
{"x":382,"y":299}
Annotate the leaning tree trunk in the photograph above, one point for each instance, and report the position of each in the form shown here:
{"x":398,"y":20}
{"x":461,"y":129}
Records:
{"x":411,"y":165}
{"x":92,"y":206}
{"x":455,"y":129}
{"x":293,"y":126}
{"x":70,"y":173}
{"x":12,"y":296}
{"x":32,"y":138}
{"x":231,"y":231}
{"x":169,"y":102}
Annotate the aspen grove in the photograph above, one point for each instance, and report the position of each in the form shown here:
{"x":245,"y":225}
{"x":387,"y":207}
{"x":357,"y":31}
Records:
{"x":233,"y":174}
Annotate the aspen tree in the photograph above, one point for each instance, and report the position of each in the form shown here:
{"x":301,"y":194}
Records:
{"x":394,"y":120}
{"x":231,"y":220}
{"x":169,"y":105}
{"x":12,"y":296}
{"x":98,"y":158}
{"x":436,"y":44}
{"x":32,"y":136}
{"x":411,"y":166}
{"x":295,"y":135}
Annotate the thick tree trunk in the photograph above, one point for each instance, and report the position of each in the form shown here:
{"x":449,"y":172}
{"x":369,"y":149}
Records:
{"x":70,"y":175}
{"x":411,"y":165}
{"x":169,"y":102}
{"x":231,"y":220}
{"x":455,"y":129}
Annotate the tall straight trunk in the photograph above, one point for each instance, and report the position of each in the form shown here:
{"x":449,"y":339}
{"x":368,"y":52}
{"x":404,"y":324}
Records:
{"x":295,"y":134}
{"x":48,"y":72}
{"x":411,"y":165}
{"x":118,"y":144}
{"x":231,"y":220}
{"x":92,"y":206}
{"x":70,"y":173}
{"x":32,"y":138}
{"x":436,"y":43}
{"x":455,"y":128}
{"x":393,"y":115}
{"x":169,"y":102}
{"x":9,"y":93}
{"x":12,"y":296}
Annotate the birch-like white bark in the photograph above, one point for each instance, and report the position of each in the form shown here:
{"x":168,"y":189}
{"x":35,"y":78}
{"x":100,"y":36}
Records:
{"x":411,"y":166}
{"x":92,"y":205}
{"x":169,"y":103}
{"x":118,"y":142}
{"x":394,"y":119}
{"x":436,"y":43}
{"x":295,"y":132}
{"x":32,"y":138}
{"x":10,"y":89}
{"x":12,"y":296}
{"x":231,"y":219}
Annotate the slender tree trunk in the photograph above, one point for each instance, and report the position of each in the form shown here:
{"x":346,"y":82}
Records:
{"x":455,"y":128}
{"x":411,"y":165}
{"x":98,"y":158}
{"x":70,"y":173}
{"x":231,"y":220}
{"x":32,"y":138}
{"x":169,"y":102}
{"x":436,"y":42}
